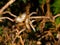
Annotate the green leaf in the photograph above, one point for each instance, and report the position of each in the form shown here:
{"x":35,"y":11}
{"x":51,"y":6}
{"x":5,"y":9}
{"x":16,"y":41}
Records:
{"x":56,"y":6}
{"x":57,"y":20}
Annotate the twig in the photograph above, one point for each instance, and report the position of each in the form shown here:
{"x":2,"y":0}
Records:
{"x":17,"y":35}
{"x":19,"y":32}
{"x":32,"y":25}
{"x":6,"y":6}
{"x":9,"y":13}
{"x":42,"y":6}
{"x":27,"y":24}
{"x":56,"y":16}
{"x":39,"y":17}
{"x":42,"y":24}
{"x":6,"y":18}
{"x":21,"y":40}
{"x":32,"y":13}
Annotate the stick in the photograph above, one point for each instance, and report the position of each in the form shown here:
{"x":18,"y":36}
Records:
{"x":39,"y":17}
{"x":6,"y":6}
{"x":9,"y":13}
{"x":6,"y":18}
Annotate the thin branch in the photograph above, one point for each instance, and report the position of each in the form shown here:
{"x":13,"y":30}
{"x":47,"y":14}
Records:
{"x":21,"y":31}
{"x":9,"y":13}
{"x":42,"y":25}
{"x":32,"y":21}
{"x":6,"y":18}
{"x":39,"y":17}
{"x":6,"y":6}
{"x":32,"y":25}
{"x":42,"y":6}
{"x":21,"y":40}
{"x":27,"y":23}
{"x":32,"y":13}
{"x":56,"y":16}
{"x":17,"y":34}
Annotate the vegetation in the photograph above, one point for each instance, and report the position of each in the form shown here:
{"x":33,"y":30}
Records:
{"x":29,"y":22}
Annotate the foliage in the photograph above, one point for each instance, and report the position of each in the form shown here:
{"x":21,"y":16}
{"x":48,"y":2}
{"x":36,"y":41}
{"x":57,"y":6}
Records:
{"x":11,"y":31}
{"x":57,"y":20}
{"x":56,"y":6}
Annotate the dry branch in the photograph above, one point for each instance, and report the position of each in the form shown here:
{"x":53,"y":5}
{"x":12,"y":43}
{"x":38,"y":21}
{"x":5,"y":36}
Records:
{"x":40,"y":17}
{"x":6,"y":6}
{"x":32,"y":13}
{"x":58,"y":15}
{"x":7,"y":18}
{"x":32,"y":25}
{"x":9,"y":13}
{"x":18,"y":36}
{"x":27,"y":24}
